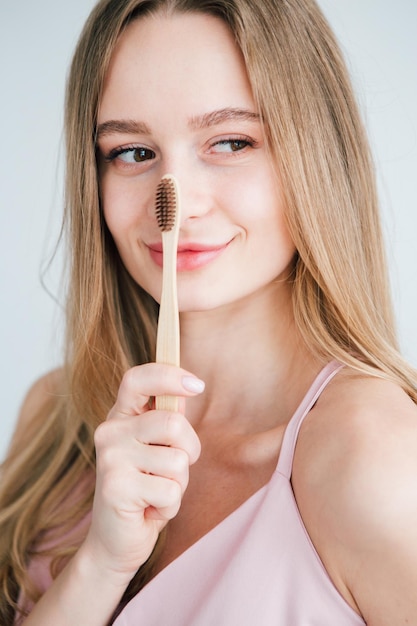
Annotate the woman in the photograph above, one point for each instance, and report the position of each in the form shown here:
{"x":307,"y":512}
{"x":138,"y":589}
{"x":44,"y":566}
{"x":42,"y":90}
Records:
{"x":285,"y":484}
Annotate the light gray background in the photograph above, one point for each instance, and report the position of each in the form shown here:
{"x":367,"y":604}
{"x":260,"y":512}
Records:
{"x":36,"y":42}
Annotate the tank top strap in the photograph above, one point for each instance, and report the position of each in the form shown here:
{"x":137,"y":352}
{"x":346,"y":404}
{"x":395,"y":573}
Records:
{"x":289,"y":441}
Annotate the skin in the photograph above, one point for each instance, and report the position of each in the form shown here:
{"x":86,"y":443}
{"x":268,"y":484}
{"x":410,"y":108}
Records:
{"x":230,"y":197}
{"x":359,"y":443}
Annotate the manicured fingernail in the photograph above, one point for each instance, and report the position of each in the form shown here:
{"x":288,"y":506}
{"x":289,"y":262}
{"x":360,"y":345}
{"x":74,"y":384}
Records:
{"x":191,"y":383}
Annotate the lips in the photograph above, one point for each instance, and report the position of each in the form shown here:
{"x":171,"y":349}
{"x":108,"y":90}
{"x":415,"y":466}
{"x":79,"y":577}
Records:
{"x":190,"y":256}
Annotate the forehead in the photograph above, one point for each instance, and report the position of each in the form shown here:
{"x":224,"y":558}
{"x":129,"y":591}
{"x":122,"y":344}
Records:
{"x":178,"y":60}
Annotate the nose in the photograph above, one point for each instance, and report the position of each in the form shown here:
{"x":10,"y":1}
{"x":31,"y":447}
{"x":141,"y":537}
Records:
{"x":195,"y":198}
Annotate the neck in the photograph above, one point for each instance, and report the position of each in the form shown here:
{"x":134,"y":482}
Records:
{"x":251,"y":358}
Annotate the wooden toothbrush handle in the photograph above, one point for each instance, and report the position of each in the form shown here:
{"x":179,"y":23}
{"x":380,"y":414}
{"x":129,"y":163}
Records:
{"x":168,"y":334}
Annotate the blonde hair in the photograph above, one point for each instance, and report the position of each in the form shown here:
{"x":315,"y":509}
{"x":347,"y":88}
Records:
{"x":340,"y":288}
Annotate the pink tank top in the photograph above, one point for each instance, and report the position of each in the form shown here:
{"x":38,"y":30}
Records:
{"x":258,"y":566}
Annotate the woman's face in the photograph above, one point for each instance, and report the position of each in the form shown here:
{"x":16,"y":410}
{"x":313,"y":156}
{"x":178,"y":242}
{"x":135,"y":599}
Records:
{"x":177,"y":100}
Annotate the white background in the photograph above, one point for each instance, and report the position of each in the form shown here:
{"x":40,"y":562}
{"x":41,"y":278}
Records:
{"x":36,"y":43}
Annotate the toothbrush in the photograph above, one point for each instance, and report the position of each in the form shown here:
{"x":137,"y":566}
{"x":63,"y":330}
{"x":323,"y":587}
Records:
{"x":168,"y":333}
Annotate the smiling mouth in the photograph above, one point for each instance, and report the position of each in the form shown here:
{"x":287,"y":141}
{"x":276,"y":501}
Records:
{"x":189,"y":256}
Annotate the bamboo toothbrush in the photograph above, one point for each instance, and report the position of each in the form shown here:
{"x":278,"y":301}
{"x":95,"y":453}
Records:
{"x":168,"y":333}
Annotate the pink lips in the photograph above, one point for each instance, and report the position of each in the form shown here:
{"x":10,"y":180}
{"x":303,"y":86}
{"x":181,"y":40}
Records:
{"x":190,"y":256}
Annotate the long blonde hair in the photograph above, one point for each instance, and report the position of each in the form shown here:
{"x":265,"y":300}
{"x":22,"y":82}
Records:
{"x":340,"y":288}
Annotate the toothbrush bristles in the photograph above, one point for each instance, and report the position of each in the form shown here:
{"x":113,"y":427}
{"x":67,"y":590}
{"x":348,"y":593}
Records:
{"x":166,"y":204}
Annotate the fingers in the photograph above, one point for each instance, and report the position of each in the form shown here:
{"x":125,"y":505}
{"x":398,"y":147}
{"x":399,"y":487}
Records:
{"x":137,"y":436}
{"x":160,"y":498}
{"x":135,"y":494}
{"x":141,"y":383}
{"x":161,"y":428}
{"x":142,"y":460}
{"x":150,"y":443}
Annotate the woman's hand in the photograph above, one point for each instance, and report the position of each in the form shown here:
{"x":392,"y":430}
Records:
{"x":143,"y":459}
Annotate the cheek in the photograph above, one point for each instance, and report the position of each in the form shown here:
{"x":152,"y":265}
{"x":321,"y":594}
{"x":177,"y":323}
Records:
{"x":258,"y":204}
{"x":118,"y":222}
{"x":110,"y":203}
{"x":121,"y":210}
{"x":266,"y":223}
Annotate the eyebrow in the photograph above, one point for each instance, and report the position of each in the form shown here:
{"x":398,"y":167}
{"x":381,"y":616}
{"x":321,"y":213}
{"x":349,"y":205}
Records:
{"x":128,"y":127}
{"x":223,"y":115}
{"x":133,"y":127}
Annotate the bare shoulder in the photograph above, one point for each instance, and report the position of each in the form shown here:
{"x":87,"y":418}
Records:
{"x":360,"y":419}
{"x":355,"y":480}
{"x":45,"y":390}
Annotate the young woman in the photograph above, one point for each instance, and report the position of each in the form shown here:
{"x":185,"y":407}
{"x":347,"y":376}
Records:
{"x":285,"y":486}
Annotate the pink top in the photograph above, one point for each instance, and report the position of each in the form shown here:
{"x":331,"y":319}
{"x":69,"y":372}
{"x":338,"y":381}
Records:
{"x":258,"y":566}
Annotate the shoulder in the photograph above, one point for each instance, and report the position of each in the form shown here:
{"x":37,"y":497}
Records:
{"x":355,"y":480}
{"x":360,"y":419}
{"x":43,"y":392}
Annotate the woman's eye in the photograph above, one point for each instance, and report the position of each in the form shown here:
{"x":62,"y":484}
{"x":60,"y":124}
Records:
{"x":231,"y":145}
{"x":131,"y":155}
{"x":136,"y":155}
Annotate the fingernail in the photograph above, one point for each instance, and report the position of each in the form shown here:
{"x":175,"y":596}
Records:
{"x":191,"y":383}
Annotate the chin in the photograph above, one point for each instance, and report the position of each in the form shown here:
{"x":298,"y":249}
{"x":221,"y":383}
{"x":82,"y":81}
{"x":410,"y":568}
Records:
{"x":199,"y":302}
